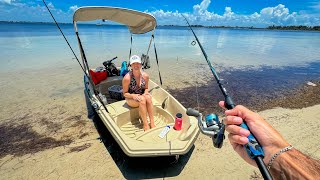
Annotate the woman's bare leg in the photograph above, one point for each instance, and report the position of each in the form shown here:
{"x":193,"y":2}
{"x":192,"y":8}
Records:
{"x":143,"y":113}
{"x":142,"y":110}
{"x":148,"y":98}
{"x":132,"y":103}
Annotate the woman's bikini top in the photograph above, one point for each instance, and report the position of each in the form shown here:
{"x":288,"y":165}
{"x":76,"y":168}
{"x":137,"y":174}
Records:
{"x":133,"y":86}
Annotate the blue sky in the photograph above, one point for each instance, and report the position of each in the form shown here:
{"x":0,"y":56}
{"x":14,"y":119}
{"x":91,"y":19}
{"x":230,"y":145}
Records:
{"x":258,"y":13}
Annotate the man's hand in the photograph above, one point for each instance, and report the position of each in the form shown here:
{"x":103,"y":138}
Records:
{"x":270,"y":140}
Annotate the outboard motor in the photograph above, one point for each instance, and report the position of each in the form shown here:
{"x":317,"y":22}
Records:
{"x":111,"y":68}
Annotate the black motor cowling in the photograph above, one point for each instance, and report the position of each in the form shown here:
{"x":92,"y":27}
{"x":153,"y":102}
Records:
{"x":111,"y":68}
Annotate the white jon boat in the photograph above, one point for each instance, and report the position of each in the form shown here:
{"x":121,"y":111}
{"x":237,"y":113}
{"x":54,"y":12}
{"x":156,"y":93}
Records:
{"x":122,"y":121}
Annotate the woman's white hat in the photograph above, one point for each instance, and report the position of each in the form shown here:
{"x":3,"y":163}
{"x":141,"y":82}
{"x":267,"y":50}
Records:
{"x":135,"y":59}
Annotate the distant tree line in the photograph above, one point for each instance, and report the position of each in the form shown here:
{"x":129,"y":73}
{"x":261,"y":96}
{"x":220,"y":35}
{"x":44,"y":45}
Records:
{"x":306,"y":28}
{"x":300,"y":27}
{"x":239,"y":27}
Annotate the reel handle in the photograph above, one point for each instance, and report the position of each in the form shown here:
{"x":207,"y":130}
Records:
{"x":219,"y":137}
{"x":192,"y":112}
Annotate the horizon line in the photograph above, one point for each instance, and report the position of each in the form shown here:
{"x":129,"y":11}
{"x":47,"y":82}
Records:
{"x":171,"y":25}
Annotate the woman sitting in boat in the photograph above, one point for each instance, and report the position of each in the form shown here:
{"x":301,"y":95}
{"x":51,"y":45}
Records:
{"x":135,"y":90}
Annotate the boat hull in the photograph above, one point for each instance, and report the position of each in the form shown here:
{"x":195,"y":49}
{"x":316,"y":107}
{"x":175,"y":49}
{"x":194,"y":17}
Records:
{"x":125,"y":126}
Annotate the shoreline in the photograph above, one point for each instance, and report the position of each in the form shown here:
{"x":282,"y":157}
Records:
{"x":300,"y":97}
{"x":258,"y":89}
{"x":31,"y":124}
{"x":54,"y":132}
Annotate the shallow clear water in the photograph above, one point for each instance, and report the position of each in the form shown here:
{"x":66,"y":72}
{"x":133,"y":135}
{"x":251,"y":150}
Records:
{"x":37,"y":68}
{"x":41,"y":45}
{"x":251,"y":61}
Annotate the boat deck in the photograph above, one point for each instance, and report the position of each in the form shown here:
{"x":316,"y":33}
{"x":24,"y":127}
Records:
{"x":134,"y":128}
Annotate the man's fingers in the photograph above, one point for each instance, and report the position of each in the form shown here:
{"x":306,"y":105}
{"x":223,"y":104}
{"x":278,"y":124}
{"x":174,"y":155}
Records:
{"x":232,"y":120}
{"x":221,"y":104}
{"x":238,"y":139}
{"x":239,"y":110}
{"x":237,"y":130}
{"x":235,"y":111}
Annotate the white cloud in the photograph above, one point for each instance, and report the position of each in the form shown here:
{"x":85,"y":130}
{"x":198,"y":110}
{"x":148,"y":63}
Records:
{"x":202,"y":8}
{"x":34,"y":12}
{"x":6,"y":1}
{"x":167,"y":17}
{"x":228,"y":13}
{"x":11,"y":2}
{"x":50,"y":5}
{"x":278,"y":15}
{"x":316,"y":5}
{"x":73,"y":8}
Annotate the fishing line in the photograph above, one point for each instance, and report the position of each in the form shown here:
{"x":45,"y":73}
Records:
{"x":64,"y":37}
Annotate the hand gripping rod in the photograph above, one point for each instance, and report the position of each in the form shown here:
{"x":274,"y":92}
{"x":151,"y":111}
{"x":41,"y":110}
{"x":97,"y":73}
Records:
{"x":253,"y":148}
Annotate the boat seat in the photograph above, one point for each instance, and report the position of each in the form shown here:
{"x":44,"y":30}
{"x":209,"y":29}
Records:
{"x":118,"y":107}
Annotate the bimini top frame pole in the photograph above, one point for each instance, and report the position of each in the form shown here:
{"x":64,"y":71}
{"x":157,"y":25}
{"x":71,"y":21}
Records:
{"x":137,"y":22}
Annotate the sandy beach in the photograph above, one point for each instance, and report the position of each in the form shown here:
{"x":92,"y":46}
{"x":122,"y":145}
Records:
{"x":45,"y":134}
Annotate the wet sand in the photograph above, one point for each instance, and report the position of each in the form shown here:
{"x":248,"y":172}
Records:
{"x":45,"y":133}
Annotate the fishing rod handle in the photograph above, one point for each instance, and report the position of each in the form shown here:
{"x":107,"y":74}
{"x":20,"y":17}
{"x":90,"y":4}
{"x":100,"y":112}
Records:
{"x":255,"y":151}
{"x":228,"y":103}
{"x":253,"y":148}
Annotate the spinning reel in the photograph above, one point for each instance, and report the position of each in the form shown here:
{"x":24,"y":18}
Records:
{"x":210,"y":126}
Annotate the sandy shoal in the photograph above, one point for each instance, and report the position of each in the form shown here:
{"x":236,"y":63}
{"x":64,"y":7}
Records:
{"x":59,"y":112}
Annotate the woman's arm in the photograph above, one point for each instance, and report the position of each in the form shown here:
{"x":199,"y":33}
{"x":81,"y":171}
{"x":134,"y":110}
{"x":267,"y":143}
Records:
{"x":146,"y":77}
{"x":125,"y":87}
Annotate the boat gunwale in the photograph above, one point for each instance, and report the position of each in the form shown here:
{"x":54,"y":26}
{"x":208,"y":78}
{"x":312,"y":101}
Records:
{"x":151,"y":149}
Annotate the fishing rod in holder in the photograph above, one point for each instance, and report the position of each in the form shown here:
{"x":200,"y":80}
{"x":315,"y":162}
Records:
{"x":86,"y":74}
{"x":215,"y":129}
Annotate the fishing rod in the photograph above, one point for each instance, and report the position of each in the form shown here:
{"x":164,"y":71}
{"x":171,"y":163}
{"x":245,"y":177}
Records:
{"x":253,"y":148}
{"x":85,"y":73}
